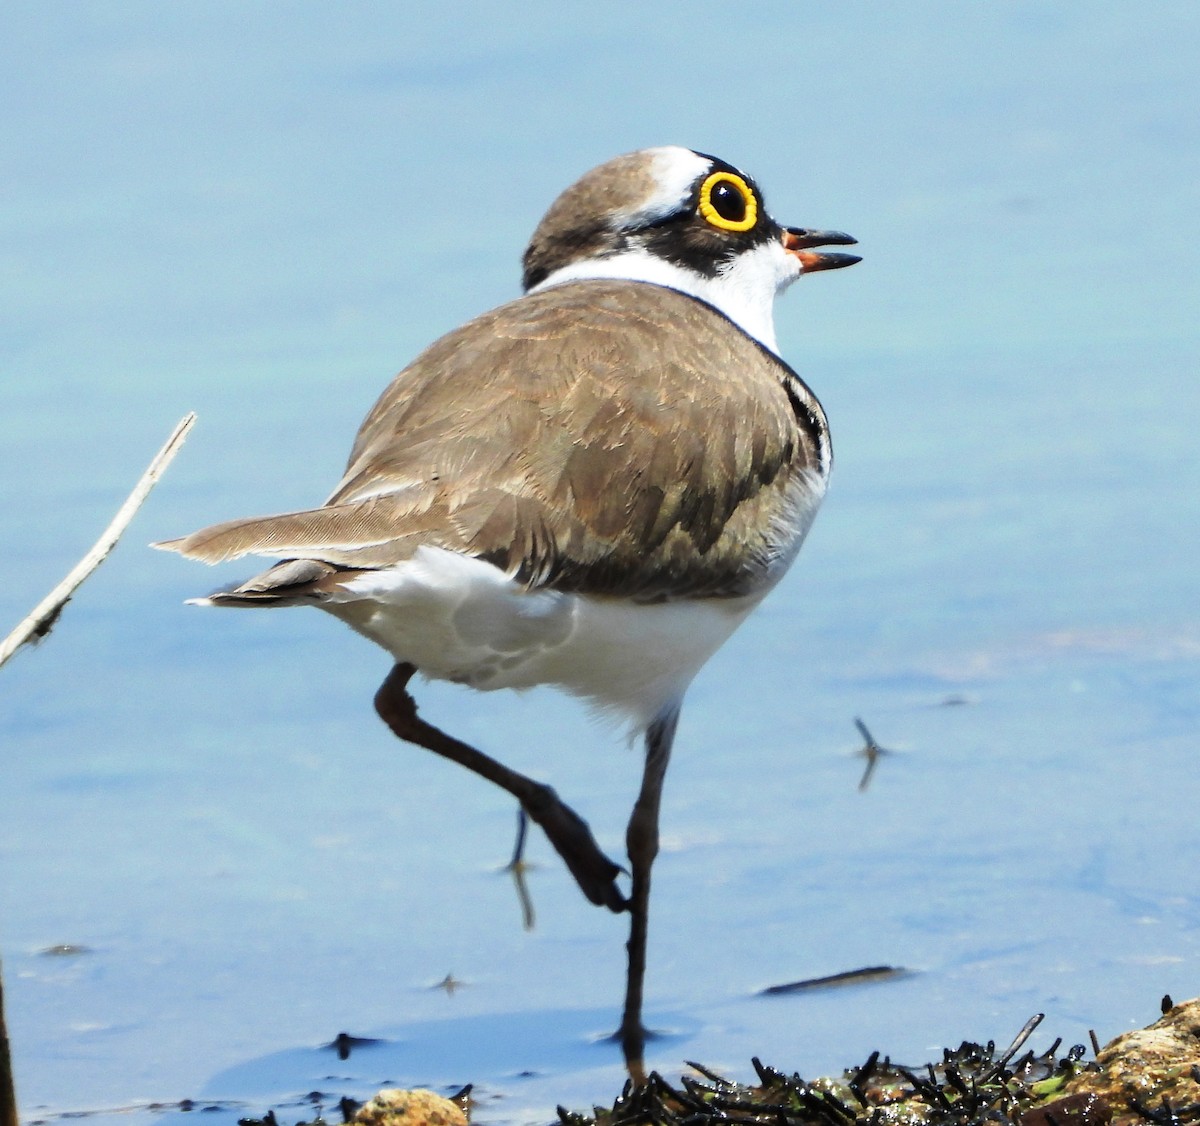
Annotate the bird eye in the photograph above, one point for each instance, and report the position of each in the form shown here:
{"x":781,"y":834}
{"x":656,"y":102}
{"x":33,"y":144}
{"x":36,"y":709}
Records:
{"x":728,"y":202}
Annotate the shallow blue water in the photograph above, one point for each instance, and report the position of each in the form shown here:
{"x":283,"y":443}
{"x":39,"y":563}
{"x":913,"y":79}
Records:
{"x":260,"y":215}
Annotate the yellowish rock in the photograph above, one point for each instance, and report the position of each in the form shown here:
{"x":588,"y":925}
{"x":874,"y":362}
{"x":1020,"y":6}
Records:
{"x":397,"y":1107}
{"x":1147,"y":1066}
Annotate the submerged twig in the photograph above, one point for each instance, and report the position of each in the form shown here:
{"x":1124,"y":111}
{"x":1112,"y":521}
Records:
{"x":871,"y":751}
{"x":845,"y":977}
{"x":8,"y":1089}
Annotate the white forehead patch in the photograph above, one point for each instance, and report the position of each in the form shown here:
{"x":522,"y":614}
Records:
{"x":675,"y":171}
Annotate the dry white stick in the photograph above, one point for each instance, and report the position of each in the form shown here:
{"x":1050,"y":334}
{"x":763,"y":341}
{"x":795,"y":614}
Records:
{"x":43,"y":615}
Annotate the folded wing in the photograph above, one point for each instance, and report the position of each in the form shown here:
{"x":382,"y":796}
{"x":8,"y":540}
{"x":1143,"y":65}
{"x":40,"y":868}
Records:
{"x":559,"y":438}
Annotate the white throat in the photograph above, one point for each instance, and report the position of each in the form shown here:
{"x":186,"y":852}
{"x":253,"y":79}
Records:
{"x":745,"y":291}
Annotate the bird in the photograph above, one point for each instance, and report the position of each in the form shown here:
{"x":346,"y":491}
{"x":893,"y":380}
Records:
{"x":589,"y":487}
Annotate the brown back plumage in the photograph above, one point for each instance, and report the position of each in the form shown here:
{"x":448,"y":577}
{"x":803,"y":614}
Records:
{"x":602,"y":437}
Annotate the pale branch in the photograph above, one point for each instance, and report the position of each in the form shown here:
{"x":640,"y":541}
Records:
{"x":42,"y":617}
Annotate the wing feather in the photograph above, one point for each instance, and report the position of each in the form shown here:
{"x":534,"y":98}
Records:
{"x":558,"y":438}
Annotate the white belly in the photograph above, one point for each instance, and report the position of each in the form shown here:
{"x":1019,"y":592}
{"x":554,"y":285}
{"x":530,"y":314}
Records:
{"x":457,"y":618}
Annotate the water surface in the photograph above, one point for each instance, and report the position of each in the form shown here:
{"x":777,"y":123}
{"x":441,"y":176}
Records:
{"x":261,"y":214}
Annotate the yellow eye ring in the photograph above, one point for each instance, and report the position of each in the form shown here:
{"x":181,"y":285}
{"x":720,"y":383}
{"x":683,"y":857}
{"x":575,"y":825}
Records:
{"x":735,"y":210}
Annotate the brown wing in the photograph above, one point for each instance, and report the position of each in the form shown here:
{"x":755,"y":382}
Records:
{"x":560,"y":438}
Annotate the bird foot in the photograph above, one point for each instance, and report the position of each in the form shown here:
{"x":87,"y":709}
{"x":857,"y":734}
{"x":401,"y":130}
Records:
{"x":594,"y":872}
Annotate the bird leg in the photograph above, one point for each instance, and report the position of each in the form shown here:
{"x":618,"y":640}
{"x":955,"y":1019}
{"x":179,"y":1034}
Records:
{"x":516,"y":868}
{"x":641,"y":841}
{"x":518,"y":857}
{"x":594,"y":872}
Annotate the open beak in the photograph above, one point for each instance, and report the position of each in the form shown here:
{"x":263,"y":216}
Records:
{"x":800,"y":241}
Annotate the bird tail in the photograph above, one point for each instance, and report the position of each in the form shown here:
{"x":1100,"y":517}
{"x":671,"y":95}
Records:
{"x":295,"y":582}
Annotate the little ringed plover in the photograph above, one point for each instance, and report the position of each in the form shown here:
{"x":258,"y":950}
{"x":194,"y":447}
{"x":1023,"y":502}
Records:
{"x":589,"y":487}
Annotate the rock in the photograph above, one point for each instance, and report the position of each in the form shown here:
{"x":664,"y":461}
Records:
{"x":396,"y":1107}
{"x":1140,"y":1069}
{"x":1080,"y":1109}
